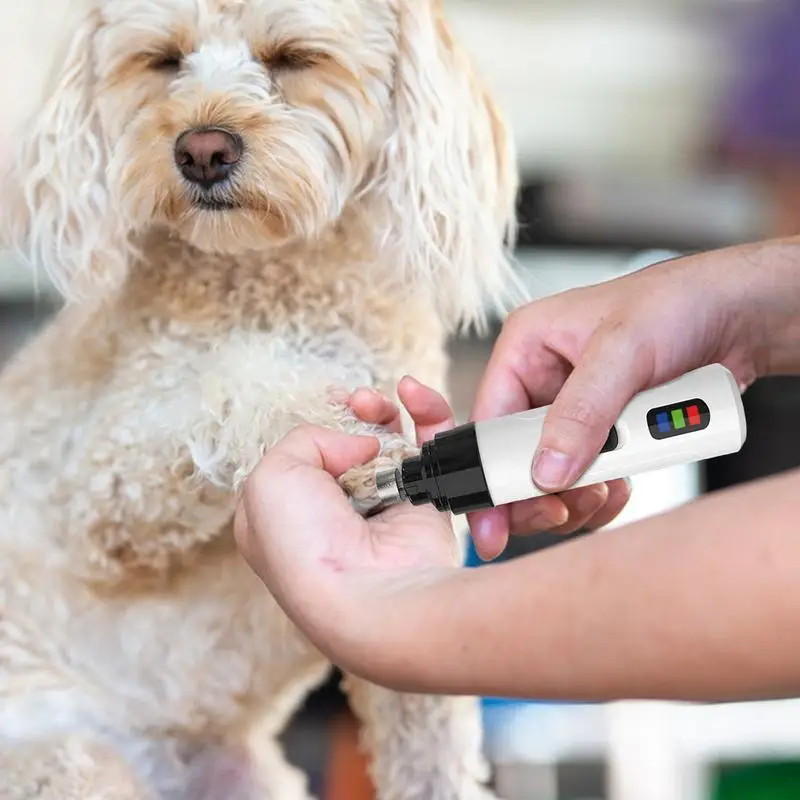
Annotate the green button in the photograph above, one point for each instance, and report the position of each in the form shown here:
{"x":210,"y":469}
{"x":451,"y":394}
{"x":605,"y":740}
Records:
{"x":678,"y":419}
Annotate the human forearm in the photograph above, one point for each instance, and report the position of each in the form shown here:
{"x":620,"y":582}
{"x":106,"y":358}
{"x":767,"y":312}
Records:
{"x":775,"y":277}
{"x":698,"y":604}
{"x":759,"y":283}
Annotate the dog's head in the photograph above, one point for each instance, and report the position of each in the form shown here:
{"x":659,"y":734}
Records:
{"x":250,"y":124}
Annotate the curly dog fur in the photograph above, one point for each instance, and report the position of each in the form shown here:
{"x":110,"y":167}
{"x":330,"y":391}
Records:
{"x":368,"y":218}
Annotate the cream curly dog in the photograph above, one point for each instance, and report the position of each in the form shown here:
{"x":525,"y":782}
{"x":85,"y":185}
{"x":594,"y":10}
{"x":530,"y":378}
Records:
{"x":247,"y":204}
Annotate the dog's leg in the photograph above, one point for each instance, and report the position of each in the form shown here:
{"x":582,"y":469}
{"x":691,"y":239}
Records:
{"x":277,"y":778}
{"x":71,"y":769}
{"x":259,"y":773}
{"x":421,"y":747}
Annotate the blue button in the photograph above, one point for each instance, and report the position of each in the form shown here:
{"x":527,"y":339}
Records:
{"x":663,"y":422}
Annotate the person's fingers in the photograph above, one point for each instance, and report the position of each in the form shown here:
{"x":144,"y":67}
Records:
{"x":500,"y":392}
{"x":372,"y":407}
{"x":522,"y":372}
{"x":504,"y":389}
{"x":614,"y":368}
{"x":430,"y":412}
{"x":588,"y":507}
{"x":275,"y":513}
{"x":619,"y":493}
{"x":489,"y":530}
{"x":582,"y":505}
{"x":538,"y":515}
{"x":322,"y":448}
{"x":561,"y":514}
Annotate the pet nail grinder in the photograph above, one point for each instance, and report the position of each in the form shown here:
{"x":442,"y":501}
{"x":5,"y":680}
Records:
{"x":486,"y":464}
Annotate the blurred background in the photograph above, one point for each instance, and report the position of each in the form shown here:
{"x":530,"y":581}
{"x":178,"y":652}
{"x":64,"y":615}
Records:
{"x":645,"y":128}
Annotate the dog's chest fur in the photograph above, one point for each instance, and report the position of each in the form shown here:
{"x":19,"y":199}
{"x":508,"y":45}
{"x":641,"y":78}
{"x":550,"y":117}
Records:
{"x":124,"y":603}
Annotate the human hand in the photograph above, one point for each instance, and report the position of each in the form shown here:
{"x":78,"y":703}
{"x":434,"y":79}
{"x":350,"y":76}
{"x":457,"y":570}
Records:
{"x":374,"y":408}
{"x":338,"y":576}
{"x":589,"y":352}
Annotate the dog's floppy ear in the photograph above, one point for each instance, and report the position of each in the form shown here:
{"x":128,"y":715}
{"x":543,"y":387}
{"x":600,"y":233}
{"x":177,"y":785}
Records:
{"x":56,"y":212}
{"x":450,"y":171}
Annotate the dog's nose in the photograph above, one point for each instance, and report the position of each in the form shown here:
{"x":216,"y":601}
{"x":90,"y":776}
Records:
{"x":207,"y":156}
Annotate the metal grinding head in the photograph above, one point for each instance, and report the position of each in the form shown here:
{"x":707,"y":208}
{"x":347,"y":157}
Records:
{"x":388,"y":484}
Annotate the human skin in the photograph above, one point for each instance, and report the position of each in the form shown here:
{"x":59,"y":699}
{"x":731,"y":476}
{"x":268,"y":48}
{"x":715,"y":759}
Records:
{"x":591,"y":350}
{"x":695,"y":604}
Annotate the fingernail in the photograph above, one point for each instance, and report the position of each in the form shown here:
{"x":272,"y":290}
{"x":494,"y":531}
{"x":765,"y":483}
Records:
{"x":549,"y":522}
{"x":482,"y":528}
{"x":410,"y":379}
{"x":552,"y":470}
{"x":539,"y":523}
{"x":482,"y":534}
{"x":366,"y":391}
{"x":592,"y":500}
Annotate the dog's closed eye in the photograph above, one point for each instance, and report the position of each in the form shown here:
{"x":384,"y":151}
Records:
{"x":166,"y":61}
{"x":290,"y":59}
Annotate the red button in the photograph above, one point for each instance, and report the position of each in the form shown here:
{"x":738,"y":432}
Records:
{"x":693,"y":412}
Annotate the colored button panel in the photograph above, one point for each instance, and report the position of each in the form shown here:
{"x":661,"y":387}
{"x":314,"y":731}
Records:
{"x":678,"y":419}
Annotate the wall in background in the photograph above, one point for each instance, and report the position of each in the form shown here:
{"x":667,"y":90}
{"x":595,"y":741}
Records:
{"x":33,"y":35}
{"x":608,"y":85}
{"x":587,"y":84}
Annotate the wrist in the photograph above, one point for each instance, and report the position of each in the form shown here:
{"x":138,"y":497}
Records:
{"x":768,"y":316}
{"x":376,"y":625}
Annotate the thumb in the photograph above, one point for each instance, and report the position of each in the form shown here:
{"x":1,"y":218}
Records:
{"x":303,"y":465}
{"x":320,"y":448}
{"x":291,"y":501}
{"x":611,"y":372}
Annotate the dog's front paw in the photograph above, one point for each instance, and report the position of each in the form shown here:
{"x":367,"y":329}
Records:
{"x":360,"y":482}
